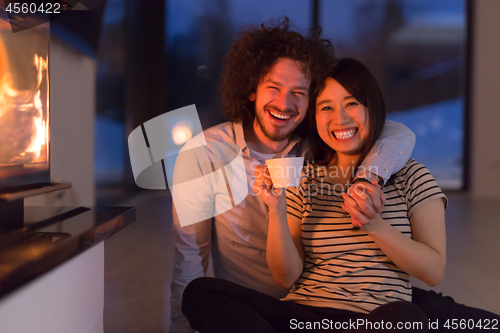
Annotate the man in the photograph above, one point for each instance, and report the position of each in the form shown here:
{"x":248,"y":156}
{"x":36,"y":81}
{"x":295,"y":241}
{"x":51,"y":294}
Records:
{"x":270,"y":78}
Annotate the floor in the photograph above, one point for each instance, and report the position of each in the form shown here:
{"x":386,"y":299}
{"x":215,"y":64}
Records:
{"x":139,"y":262}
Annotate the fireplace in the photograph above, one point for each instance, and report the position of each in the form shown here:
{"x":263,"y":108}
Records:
{"x":24,"y":103}
{"x":24,"y":119}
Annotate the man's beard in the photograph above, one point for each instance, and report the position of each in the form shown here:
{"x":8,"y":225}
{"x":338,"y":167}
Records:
{"x":275,"y":135}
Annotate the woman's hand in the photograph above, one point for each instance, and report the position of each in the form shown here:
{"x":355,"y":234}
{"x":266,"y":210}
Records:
{"x":284,"y":250}
{"x":263,"y":187}
{"x":422,"y":256}
{"x":364,"y":202}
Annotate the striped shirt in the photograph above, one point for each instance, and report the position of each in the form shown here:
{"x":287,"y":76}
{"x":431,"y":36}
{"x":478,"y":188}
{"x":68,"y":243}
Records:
{"x":343,"y":267}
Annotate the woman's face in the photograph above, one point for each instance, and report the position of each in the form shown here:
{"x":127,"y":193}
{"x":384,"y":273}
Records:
{"x":342,"y":121}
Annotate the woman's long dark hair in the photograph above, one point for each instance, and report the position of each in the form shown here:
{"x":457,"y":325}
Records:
{"x":360,"y":83}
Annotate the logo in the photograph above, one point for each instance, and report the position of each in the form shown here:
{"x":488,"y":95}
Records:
{"x":206,"y":178}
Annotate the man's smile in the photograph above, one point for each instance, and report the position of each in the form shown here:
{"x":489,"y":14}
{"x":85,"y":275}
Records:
{"x":279,"y":117}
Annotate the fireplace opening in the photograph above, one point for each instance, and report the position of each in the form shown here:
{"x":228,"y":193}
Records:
{"x":24,"y":118}
{"x":24,"y":101}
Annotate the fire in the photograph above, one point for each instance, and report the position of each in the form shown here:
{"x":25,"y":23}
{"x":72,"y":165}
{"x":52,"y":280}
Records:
{"x":23,"y":125}
{"x":6,"y":93}
{"x":41,"y":129}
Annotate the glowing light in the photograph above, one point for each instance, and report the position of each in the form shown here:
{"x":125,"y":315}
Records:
{"x":39,"y":139}
{"x":6,"y":93}
{"x":182,"y":132}
{"x":27,"y":104}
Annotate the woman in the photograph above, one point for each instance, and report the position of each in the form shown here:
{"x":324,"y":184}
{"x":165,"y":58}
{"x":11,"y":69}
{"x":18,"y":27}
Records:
{"x":341,"y":272}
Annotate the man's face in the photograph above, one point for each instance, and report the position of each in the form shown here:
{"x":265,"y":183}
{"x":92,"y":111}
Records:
{"x":281,"y":100}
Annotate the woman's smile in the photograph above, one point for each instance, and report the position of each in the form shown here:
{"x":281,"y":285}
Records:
{"x":342,"y":121}
{"x":345,"y":134}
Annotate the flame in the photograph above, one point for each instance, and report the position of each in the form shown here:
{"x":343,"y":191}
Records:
{"x":24,"y":110}
{"x":6,"y":93}
{"x":41,"y":129}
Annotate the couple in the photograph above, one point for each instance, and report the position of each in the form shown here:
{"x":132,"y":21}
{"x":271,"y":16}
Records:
{"x":273,"y":76}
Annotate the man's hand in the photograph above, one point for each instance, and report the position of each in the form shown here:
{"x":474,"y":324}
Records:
{"x":363,"y":202}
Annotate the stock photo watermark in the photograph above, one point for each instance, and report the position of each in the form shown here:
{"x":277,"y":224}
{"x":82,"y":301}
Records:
{"x":326,"y":178}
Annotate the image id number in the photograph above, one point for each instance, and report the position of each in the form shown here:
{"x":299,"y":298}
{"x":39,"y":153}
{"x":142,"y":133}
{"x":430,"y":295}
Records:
{"x":33,"y":8}
{"x":485,"y":324}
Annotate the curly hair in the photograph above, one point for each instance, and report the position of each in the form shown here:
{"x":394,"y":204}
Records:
{"x":253,"y":55}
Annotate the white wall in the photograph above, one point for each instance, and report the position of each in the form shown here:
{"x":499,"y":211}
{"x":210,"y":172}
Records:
{"x":485,"y":112}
